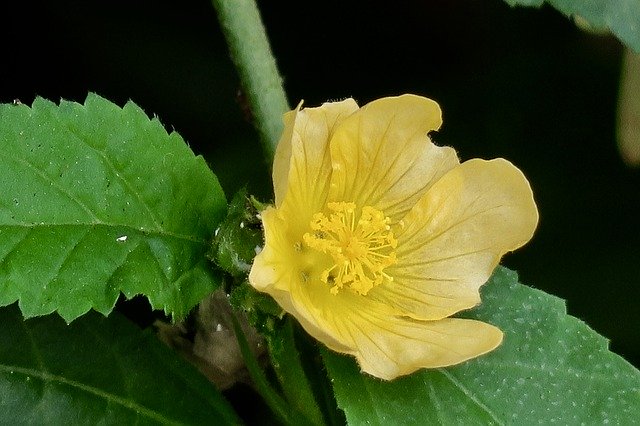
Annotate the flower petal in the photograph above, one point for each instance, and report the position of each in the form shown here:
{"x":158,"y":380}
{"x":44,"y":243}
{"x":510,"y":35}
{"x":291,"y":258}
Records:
{"x":302,"y":165}
{"x":323,"y":314}
{"x":382,"y":156}
{"x":389,"y":347}
{"x":454,"y":237}
{"x":323,"y":325}
{"x":282,"y":157}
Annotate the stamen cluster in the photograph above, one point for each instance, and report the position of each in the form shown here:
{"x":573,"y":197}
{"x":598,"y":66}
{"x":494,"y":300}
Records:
{"x":361,"y":249}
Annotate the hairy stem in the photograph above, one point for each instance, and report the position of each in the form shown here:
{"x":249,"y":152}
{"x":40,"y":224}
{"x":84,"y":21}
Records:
{"x":250,"y":51}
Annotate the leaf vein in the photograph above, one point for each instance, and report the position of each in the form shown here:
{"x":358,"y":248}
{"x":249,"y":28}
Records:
{"x":108,"y":397}
{"x":470,"y":395}
{"x":143,"y":231}
{"x":53,"y":183}
{"x":114,"y":170}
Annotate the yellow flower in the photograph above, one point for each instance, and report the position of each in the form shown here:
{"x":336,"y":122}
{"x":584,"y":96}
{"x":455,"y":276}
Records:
{"x":378,"y":236}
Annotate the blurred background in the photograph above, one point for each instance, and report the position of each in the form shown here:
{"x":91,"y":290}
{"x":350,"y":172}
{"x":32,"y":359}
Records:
{"x":524,"y":84}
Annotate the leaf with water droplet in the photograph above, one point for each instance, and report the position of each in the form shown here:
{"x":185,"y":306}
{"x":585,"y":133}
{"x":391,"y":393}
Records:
{"x":96,"y":200}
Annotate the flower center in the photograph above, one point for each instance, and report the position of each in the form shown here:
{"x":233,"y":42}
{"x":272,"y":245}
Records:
{"x":360,"y":249}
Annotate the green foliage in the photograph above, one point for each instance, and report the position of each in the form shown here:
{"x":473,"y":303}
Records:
{"x":96,"y":199}
{"x":551,"y":368}
{"x":98,"y":370}
{"x":621,"y":17}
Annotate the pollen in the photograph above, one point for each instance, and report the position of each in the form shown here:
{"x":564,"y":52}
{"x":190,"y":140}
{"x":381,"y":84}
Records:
{"x":360,"y":249}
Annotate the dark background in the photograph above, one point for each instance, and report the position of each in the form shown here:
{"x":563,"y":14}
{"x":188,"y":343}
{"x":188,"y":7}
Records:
{"x":524,"y":84}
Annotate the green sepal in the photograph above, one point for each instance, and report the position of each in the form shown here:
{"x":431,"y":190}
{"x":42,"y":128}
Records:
{"x":239,"y":236}
{"x":263,"y":312}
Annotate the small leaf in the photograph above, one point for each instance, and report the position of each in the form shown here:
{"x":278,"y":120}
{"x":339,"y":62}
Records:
{"x":551,"y":368}
{"x":96,"y":199}
{"x":98,"y":371}
{"x":621,"y":17}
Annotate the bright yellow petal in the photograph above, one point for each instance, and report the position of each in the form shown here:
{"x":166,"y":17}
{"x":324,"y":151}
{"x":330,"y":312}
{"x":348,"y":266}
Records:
{"x":309,"y":168}
{"x":323,"y":314}
{"x":325,"y":325}
{"x":382,"y":156}
{"x":389,"y":347}
{"x":454,"y":237}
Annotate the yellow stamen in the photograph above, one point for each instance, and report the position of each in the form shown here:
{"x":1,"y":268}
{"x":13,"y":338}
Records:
{"x":360,"y":249}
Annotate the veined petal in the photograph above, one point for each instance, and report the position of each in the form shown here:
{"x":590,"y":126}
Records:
{"x":454,"y":237}
{"x":382,"y":156}
{"x":282,"y":157}
{"x":323,"y":324}
{"x":323,"y":314}
{"x":389,"y":347}
{"x":309,"y":167}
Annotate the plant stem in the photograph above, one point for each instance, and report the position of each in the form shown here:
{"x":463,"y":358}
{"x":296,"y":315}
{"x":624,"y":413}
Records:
{"x":276,"y":403}
{"x":250,"y":51}
{"x":287,"y":363}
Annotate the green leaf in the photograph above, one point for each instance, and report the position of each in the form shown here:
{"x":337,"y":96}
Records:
{"x":621,"y":17}
{"x":96,"y":199}
{"x":551,"y":368}
{"x":98,"y":371}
